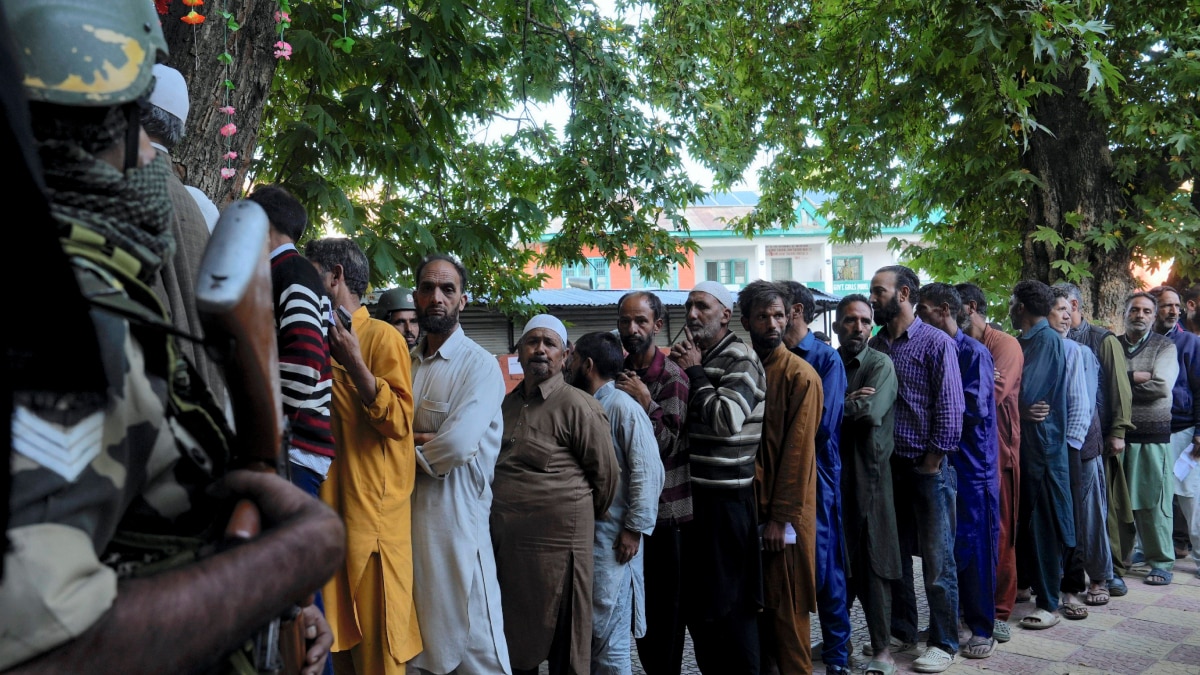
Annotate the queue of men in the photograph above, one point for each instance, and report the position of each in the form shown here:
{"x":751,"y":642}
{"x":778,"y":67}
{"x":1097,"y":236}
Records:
{"x":619,"y":496}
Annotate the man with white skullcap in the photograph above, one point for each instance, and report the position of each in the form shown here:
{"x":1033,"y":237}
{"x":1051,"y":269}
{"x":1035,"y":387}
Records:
{"x":163,"y":121}
{"x":556,"y":474}
{"x":721,"y":549}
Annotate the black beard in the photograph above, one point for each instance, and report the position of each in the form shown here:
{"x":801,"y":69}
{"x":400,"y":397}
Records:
{"x":766,"y":344}
{"x":636,"y":344}
{"x":885,"y":314}
{"x":439,"y":325}
{"x":853,"y":347}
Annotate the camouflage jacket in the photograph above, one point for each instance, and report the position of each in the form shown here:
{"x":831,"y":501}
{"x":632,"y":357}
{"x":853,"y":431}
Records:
{"x":112,"y":486}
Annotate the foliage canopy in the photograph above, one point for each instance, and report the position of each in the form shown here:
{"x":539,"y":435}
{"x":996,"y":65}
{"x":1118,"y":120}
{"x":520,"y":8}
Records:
{"x":1052,"y":139}
{"x":409,"y":125}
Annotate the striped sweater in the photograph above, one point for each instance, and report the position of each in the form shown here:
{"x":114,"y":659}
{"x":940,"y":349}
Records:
{"x":301,"y":309}
{"x":725,"y":414}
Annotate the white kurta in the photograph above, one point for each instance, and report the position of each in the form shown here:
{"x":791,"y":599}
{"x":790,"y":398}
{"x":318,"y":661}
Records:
{"x":457,"y":394}
{"x":618,"y":591}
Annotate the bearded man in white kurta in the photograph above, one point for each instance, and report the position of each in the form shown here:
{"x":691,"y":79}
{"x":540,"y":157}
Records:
{"x":457,"y":390}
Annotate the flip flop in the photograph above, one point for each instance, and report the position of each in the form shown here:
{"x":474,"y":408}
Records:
{"x":1096,"y":598}
{"x":979,"y":647}
{"x":1039,"y":620}
{"x":1073,"y":611}
{"x":880,"y":667}
{"x":1159,"y":577}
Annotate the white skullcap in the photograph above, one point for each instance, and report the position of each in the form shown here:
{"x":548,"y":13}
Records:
{"x":717,"y":290}
{"x":548,"y":322}
{"x":211,"y":213}
{"x":170,"y":91}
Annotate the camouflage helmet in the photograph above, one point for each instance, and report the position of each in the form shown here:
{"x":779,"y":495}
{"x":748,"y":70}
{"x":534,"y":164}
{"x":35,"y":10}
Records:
{"x":393,"y":300}
{"x":84,"y":53}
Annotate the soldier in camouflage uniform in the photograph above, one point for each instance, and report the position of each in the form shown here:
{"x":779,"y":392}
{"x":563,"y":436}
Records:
{"x":118,"y":491}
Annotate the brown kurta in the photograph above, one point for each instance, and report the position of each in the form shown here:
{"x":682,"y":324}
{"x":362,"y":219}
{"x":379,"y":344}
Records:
{"x":556,"y":473}
{"x":1010,"y":363}
{"x":176,"y":283}
{"x":786,"y":486}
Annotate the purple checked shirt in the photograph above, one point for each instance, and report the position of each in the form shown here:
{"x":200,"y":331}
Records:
{"x":929,"y":407}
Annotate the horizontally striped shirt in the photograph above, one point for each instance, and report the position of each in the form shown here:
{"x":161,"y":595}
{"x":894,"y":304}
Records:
{"x":725,"y":414}
{"x":301,"y":308}
{"x":929,"y":407}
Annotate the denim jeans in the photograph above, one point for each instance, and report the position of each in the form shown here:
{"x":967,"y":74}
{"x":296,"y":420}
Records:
{"x":310,"y":481}
{"x":925,"y":522}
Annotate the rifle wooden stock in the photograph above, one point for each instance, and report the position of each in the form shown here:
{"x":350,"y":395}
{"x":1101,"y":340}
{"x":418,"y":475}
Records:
{"x":236,"y":307}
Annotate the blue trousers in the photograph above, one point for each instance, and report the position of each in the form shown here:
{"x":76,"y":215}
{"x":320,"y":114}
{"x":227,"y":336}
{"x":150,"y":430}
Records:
{"x":925,"y":523}
{"x":310,"y":481}
{"x":831,"y":573}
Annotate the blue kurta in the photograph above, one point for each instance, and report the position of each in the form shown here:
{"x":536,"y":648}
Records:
{"x":831,"y":561}
{"x":618,"y":590}
{"x":1047,"y":519}
{"x":978,"y":503}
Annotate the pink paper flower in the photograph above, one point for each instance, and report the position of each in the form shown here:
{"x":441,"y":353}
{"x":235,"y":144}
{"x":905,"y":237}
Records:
{"x":230,"y":155}
{"x":282,"y":17}
{"x":229,"y":130}
{"x":227,"y":110}
{"x":283,"y":50}
{"x":228,"y":173}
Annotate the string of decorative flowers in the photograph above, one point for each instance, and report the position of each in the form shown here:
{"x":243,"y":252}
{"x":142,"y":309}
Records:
{"x":283,"y":50}
{"x":229,"y":128}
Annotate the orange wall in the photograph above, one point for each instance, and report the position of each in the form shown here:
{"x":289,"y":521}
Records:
{"x":619,"y":277}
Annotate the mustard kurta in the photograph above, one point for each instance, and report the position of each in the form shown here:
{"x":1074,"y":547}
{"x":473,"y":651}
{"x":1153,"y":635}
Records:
{"x":786,"y":487}
{"x":369,"y":485}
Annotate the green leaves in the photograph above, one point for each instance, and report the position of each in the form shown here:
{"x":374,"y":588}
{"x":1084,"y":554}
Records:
{"x":410,"y":127}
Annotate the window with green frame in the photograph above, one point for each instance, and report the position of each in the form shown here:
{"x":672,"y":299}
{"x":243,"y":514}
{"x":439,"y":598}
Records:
{"x":727,"y":271}
{"x":595,"y":269}
{"x":636,"y":280}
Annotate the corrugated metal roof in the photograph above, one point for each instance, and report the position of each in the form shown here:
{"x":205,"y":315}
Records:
{"x":578,"y":297}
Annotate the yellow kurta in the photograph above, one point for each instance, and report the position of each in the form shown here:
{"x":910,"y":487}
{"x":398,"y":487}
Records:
{"x":369,"y":485}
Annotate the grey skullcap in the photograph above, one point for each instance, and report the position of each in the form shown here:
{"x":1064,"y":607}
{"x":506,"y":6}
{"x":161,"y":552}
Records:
{"x":549,"y":322}
{"x":717,"y":290}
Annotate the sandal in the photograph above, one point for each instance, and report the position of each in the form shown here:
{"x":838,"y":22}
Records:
{"x":979,"y":647}
{"x":1117,"y":587}
{"x":1039,"y":620}
{"x":1073,"y":611}
{"x":1096,"y":598}
{"x":1001,"y":631}
{"x":1159,"y":577}
{"x":1024,"y":594}
{"x":880,"y":668}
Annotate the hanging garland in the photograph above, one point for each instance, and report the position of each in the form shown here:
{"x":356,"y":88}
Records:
{"x":283,"y":50}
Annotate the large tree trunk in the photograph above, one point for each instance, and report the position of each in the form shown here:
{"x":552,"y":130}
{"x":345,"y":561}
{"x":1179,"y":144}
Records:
{"x":194,"y":52}
{"x":1076,"y":170}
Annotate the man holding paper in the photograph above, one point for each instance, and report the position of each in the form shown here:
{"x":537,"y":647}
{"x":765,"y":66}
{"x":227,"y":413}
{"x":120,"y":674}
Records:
{"x":785,"y":481}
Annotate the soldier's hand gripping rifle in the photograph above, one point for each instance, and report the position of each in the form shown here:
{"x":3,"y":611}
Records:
{"x":236,"y":306}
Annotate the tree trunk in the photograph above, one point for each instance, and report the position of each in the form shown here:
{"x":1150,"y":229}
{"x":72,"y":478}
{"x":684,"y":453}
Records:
{"x":1076,"y":171}
{"x":194,"y":52}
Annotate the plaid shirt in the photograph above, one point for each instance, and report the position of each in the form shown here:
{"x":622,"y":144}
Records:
{"x":929,"y":408}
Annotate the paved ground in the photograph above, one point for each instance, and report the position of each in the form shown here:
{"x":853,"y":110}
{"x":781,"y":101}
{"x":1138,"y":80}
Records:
{"x":1155,"y":630}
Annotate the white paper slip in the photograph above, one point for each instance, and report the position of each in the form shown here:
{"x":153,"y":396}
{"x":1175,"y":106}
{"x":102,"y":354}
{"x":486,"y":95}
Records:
{"x":789,"y":533}
{"x":1183,"y":466}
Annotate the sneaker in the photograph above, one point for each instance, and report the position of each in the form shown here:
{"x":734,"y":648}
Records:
{"x":934,"y":660}
{"x":1001,"y":631}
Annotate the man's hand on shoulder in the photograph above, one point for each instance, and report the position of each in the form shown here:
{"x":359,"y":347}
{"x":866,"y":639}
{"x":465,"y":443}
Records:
{"x":629,"y":382}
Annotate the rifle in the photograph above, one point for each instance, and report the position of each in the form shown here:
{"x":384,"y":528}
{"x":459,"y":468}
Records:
{"x":236,"y":307}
